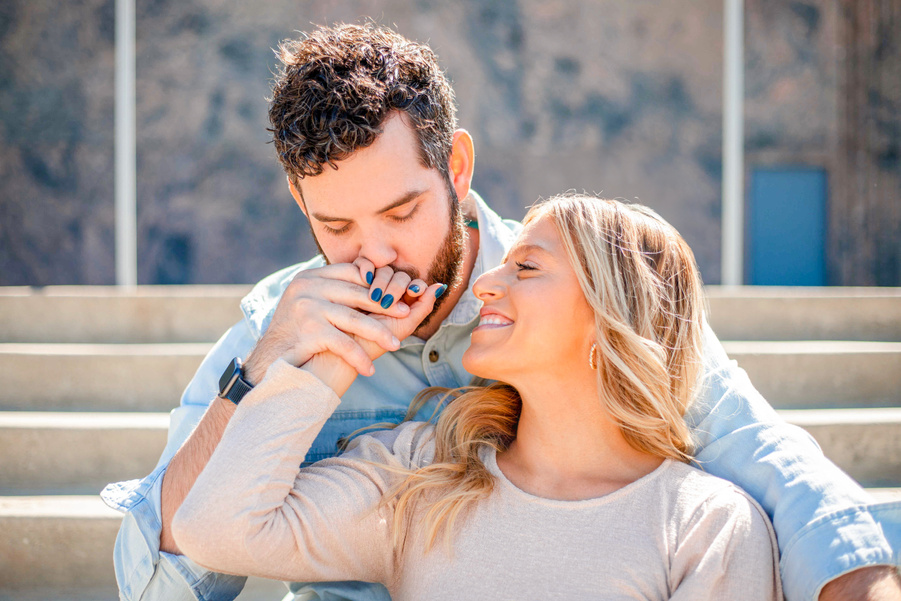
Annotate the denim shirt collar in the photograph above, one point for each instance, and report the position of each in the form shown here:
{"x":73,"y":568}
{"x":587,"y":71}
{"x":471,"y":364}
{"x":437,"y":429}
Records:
{"x":496,"y":235}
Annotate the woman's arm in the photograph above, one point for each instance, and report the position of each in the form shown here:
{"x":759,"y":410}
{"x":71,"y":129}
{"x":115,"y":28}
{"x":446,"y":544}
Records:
{"x":252,"y":511}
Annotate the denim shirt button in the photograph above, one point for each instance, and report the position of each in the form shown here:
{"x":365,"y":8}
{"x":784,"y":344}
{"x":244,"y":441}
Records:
{"x":433,"y":356}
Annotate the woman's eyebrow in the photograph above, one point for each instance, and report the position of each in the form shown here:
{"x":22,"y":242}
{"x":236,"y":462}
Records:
{"x":523,"y":249}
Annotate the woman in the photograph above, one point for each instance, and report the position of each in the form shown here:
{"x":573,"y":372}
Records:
{"x":569,"y":480}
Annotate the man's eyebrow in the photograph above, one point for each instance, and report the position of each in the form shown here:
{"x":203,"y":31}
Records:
{"x":408,"y":197}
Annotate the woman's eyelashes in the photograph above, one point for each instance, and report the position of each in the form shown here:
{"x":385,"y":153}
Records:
{"x":525,"y":266}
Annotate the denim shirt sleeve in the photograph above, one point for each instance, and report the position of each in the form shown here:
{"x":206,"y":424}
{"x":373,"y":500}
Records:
{"x":142,"y":570}
{"x":826,"y":524}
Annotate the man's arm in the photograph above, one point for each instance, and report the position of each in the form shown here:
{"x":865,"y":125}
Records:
{"x":143,"y":570}
{"x":826,"y":524}
{"x":876,"y":583}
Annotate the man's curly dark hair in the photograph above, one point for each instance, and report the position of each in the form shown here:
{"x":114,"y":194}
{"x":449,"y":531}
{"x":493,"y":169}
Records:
{"x":337,"y":86}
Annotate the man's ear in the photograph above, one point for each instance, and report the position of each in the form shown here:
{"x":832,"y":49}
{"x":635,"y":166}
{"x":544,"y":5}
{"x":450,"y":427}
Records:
{"x":298,"y":198}
{"x":462,"y":160}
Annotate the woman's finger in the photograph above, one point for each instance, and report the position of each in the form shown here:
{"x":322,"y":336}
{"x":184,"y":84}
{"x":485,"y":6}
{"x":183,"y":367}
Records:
{"x":367,"y":269}
{"x":414,"y":290}
{"x":379,"y":283}
{"x":395,"y":289}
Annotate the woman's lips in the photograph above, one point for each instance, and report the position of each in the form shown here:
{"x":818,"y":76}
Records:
{"x":493,"y":320}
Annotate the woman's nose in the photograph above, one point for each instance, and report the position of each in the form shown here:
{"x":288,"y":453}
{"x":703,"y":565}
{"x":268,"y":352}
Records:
{"x":489,"y":285}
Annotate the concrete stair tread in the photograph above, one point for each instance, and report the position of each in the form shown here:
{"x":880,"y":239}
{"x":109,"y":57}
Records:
{"x":51,"y":452}
{"x":852,"y":415}
{"x":78,"y":349}
{"x":56,"y":506}
{"x":811,"y":347}
{"x":203,"y":313}
{"x":84,"y":420}
{"x":56,"y":452}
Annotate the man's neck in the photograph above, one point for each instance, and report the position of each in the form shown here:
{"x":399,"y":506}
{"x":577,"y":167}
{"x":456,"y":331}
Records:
{"x":455,"y":293}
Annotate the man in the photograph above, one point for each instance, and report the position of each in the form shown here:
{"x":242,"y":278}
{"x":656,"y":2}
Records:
{"x":364,"y":124}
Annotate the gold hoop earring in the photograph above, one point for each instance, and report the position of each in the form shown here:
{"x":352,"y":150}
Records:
{"x":592,"y":359}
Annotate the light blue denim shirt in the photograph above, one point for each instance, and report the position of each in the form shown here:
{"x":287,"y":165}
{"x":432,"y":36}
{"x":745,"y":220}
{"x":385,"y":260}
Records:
{"x":826,"y":524}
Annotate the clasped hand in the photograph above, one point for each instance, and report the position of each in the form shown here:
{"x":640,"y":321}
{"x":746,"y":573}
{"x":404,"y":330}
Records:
{"x":345,"y":316}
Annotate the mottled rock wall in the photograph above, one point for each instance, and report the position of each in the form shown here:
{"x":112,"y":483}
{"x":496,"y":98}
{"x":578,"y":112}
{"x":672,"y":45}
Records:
{"x":617,"y":97}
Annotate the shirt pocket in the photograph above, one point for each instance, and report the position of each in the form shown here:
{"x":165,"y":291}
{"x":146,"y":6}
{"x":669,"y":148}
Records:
{"x":344,"y":424}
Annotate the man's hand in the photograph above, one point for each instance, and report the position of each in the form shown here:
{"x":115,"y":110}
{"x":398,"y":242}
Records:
{"x":876,"y":583}
{"x":335,"y":371}
{"x":328,"y":310}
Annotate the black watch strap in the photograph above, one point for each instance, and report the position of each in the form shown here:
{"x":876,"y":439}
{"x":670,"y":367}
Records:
{"x":238,"y":390}
{"x":232,"y":385}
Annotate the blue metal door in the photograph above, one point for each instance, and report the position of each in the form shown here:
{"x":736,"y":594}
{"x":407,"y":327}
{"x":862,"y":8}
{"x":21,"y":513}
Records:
{"x":787,"y":227}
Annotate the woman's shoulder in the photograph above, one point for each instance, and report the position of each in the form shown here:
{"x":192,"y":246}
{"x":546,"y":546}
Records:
{"x":411,"y":444}
{"x":708,"y":505}
{"x":717,"y":519}
{"x":697,"y":492}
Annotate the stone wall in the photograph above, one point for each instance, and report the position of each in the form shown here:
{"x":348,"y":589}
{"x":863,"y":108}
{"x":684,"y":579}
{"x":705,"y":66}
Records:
{"x":617,"y":97}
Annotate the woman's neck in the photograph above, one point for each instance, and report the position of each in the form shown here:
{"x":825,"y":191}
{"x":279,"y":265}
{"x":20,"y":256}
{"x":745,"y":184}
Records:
{"x":567,"y":446}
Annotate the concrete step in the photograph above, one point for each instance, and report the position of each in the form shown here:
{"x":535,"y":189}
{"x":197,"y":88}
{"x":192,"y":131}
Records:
{"x":122,"y":315}
{"x":802,"y":313}
{"x":818,"y":374}
{"x":43,"y":453}
{"x":50,"y":543}
{"x":77,"y":453}
{"x":151,"y":377}
{"x":60,"y":547}
{"x":202,"y":313}
{"x":865,"y":443}
{"x":97,"y":377}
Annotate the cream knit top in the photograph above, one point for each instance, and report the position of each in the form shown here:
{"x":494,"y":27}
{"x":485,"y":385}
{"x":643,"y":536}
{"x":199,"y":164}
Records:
{"x":676,"y":533}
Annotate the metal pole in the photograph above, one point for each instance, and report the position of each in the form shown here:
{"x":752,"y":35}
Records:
{"x":733,"y":144}
{"x":126,"y":221}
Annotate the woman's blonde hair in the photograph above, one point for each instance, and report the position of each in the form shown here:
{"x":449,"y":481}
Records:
{"x":640,"y":278}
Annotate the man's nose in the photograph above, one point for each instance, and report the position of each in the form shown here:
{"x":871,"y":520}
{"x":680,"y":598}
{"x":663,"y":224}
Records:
{"x":379,"y":250}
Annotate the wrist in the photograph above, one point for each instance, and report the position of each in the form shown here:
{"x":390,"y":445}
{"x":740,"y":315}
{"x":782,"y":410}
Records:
{"x":333,"y":371}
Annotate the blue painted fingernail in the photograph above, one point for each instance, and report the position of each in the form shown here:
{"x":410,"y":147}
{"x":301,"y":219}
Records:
{"x":376,"y":294}
{"x":386,"y":302}
{"x":414,"y":288}
{"x":369,"y":277}
{"x":440,"y":290}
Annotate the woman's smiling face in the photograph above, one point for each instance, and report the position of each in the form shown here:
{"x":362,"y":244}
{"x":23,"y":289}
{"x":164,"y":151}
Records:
{"x":535,"y":320}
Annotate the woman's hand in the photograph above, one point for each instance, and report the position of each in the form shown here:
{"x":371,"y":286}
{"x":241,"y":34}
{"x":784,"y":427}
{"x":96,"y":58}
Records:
{"x":387,"y":287}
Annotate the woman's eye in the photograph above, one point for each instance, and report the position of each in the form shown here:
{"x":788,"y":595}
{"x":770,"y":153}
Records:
{"x":525,"y":266}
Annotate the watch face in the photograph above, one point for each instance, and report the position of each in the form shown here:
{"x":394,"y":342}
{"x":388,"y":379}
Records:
{"x":230,"y":375}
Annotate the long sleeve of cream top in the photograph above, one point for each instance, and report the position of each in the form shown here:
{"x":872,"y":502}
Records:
{"x":676,"y":533}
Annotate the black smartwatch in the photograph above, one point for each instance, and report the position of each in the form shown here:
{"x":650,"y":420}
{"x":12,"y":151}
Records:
{"x":232,"y":385}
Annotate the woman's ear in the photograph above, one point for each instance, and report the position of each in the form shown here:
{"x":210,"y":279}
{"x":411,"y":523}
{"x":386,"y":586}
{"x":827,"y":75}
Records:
{"x":461,"y":164}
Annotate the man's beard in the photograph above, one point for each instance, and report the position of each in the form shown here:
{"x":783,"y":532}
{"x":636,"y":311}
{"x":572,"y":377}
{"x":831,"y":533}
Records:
{"x":447,"y":266}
